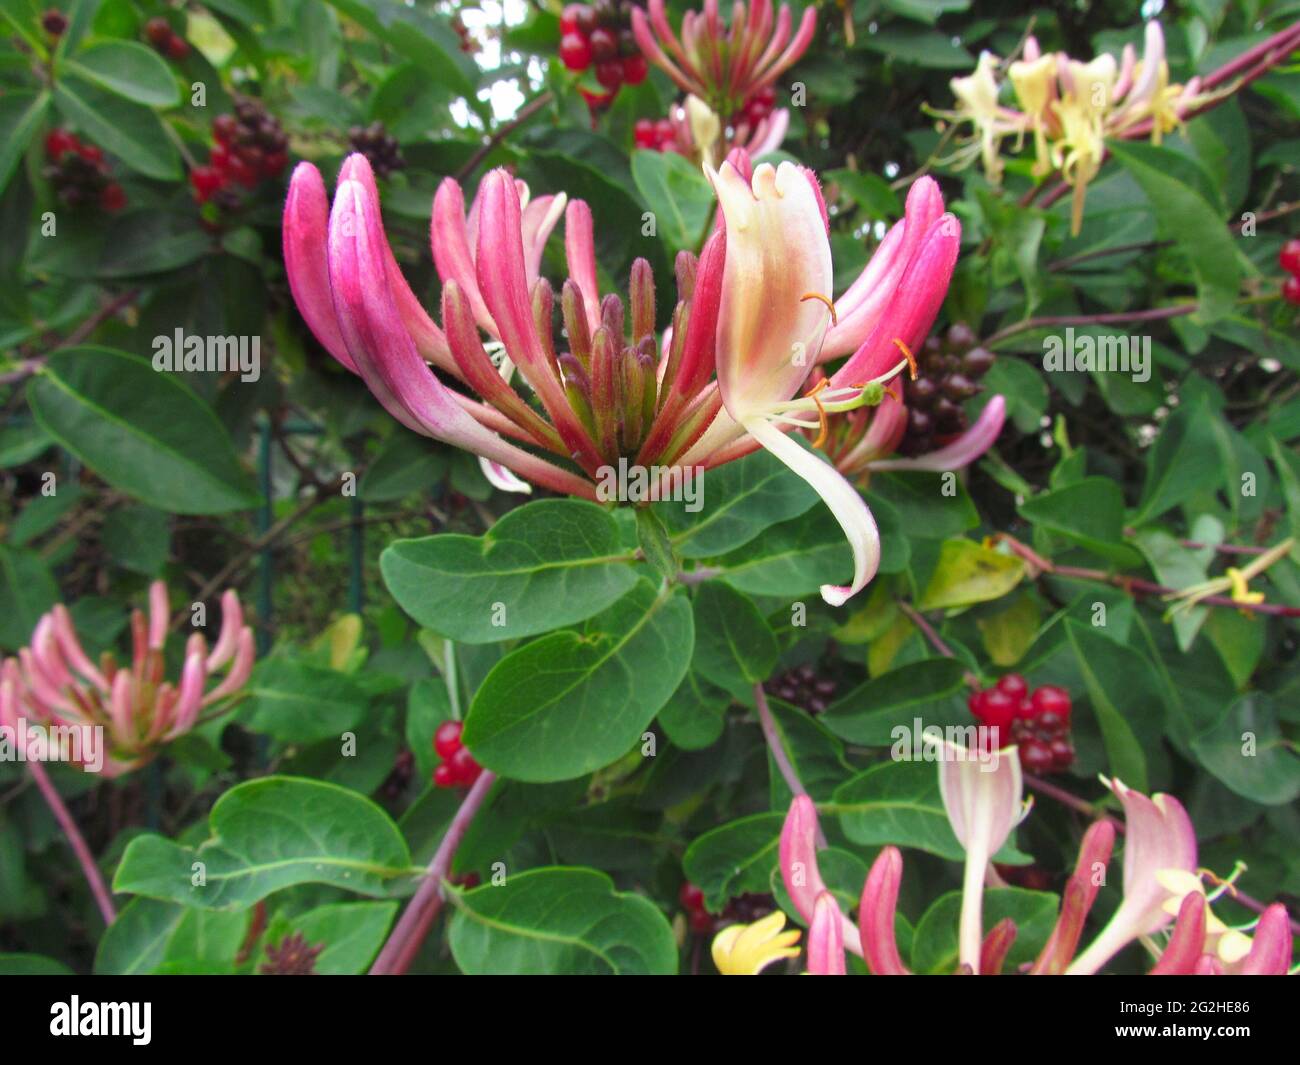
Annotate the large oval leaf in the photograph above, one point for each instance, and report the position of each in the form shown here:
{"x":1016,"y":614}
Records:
{"x":129,"y":70}
{"x":542,"y":566}
{"x":142,"y":431}
{"x":131,"y":132}
{"x":575,"y":701}
{"x":560,"y":921}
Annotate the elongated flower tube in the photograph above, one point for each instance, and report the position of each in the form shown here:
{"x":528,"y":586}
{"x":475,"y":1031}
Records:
{"x":724,"y":65}
{"x":1160,"y":838}
{"x":798,"y":861}
{"x":983,"y":795}
{"x":54,"y":684}
{"x":876,"y":912}
{"x":826,"y":938}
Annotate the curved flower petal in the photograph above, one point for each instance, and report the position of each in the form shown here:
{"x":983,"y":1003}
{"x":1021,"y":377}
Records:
{"x":826,"y":938}
{"x":961,"y":452}
{"x":876,"y":914}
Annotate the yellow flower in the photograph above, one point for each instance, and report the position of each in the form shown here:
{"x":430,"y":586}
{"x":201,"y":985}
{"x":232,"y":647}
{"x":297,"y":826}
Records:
{"x":1035,"y":85}
{"x":1241,"y":592}
{"x":747,"y":949}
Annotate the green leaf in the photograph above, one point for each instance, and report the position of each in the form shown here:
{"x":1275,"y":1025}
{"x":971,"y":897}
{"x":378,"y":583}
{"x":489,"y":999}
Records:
{"x":898,"y":803}
{"x":144,"y":432}
{"x":135,"y":942}
{"x":970,"y":573}
{"x":652,"y":538}
{"x":811,"y":748}
{"x":351,"y":933}
{"x":1247,"y":751}
{"x":734,"y":645}
{"x":693,"y":717}
{"x":131,"y":132}
{"x":922,"y":48}
{"x":934,"y":946}
{"x":932,"y":690}
{"x":21,"y":114}
{"x":1183,"y":461}
{"x":1089,"y":512}
{"x":576,"y":700}
{"x":1185,"y":215}
{"x":406,"y":464}
{"x":677,"y":193}
{"x":138,"y":538}
{"x":737,"y":858}
{"x":796,"y":557}
{"x":301,"y":703}
{"x":1125,"y":696}
{"x":868,"y":190}
{"x":32,"y":965}
{"x":925,"y":503}
{"x":741,"y":500}
{"x":268,"y":834}
{"x":558,"y":920}
{"x":129,"y":70}
{"x":545,"y":565}
{"x":27,"y":590}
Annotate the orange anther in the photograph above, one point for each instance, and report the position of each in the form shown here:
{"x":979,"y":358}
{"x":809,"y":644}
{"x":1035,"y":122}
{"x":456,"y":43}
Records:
{"x":826,"y":300}
{"x":911,"y":359}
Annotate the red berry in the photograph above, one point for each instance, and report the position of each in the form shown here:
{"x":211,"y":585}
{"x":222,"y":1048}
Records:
{"x":664,"y":131}
{"x":177,"y":47}
{"x":91,"y":153}
{"x":463,"y":766}
{"x":58,"y":141}
{"x":635,"y":69}
{"x":1049,"y":699}
{"x":569,"y":19}
{"x":443,"y":776}
{"x":205,"y":180}
{"x":1036,"y":756}
{"x":610,"y":74}
{"x":604,"y":45}
{"x":225,"y":128}
{"x":1291,"y":289}
{"x":159,"y":32}
{"x":275,"y":164}
{"x":1062,"y":754}
{"x":644,"y":133}
{"x":446,"y":740}
{"x":596,"y":101}
{"x":112,"y":198}
{"x":1013,"y":684}
{"x":691,"y":897}
{"x":1289,"y":257}
{"x":701,"y":922}
{"x":54,"y":22}
{"x":585,"y":16}
{"x":575,"y":52}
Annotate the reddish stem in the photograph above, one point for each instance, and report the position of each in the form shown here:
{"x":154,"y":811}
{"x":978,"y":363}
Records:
{"x":89,"y":868}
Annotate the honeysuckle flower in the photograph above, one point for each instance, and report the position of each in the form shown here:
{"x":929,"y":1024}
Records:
{"x":826,"y":938}
{"x":700,"y":135}
{"x":54,"y":683}
{"x":798,"y":862}
{"x":1071,"y":107}
{"x":1159,"y":839}
{"x":1201,"y":943}
{"x":876,"y":911}
{"x":1076,"y":901}
{"x":774,"y":317}
{"x":724,"y":64}
{"x":1270,"y":951}
{"x":748,"y":949}
{"x":983,"y":796}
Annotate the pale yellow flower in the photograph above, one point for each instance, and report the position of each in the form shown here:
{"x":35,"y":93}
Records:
{"x":747,"y":949}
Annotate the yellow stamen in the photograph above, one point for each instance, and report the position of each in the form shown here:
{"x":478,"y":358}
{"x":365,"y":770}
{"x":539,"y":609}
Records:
{"x":826,"y":300}
{"x":823,"y":423}
{"x":911,"y":359}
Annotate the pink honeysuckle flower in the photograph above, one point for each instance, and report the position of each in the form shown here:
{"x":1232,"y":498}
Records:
{"x":1270,"y":952}
{"x":774,"y":317}
{"x":1076,"y":901}
{"x":1159,"y":837}
{"x":724,"y":65}
{"x":983,"y":795}
{"x":826,"y":938}
{"x":54,"y":684}
{"x":876,"y":911}
{"x":798,"y":862}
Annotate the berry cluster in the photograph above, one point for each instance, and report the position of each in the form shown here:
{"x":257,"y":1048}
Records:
{"x":79,"y":173}
{"x":756,"y":108}
{"x":378,"y":146}
{"x":166,"y":40}
{"x":601,"y":33}
{"x":251,"y":146}
{"x":657,"y":136}
{"x":1038,"y":722}
{"x":948,"y":373}
{"x":743,"y":909}
{"x":802,"y":687}
{"x":458,"y":768}
{"x":1289,"y":259}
